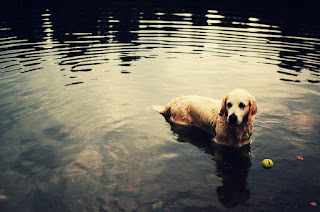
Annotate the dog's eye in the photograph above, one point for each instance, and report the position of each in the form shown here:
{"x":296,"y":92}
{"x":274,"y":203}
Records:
{"x":242,"y":105}
{"x":229,"y":105}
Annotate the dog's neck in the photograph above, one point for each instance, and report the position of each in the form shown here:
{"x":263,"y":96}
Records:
{"x":240,"y":131}
{"x":237,"y":135}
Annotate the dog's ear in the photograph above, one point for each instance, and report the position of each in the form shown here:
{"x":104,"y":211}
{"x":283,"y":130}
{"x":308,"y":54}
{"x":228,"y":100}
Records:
{"x":252,"y":108}
{"x":223,"y":110}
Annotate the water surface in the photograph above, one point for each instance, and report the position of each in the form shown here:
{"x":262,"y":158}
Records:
{"x":78,"y":132}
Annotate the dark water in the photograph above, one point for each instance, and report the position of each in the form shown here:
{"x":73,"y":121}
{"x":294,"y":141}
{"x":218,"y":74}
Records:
{"x":78,"y":133}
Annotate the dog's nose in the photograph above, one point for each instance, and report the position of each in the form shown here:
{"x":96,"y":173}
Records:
{"x":233,"y":119}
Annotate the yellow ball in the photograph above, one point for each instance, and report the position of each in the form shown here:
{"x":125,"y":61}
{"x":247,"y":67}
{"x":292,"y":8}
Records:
{"x":267,"y":163}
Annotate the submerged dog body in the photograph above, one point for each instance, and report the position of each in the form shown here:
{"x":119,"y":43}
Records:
{"x":229,"y":122}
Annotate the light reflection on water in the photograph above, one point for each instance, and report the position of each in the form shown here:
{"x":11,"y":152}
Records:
{"x":78,"y":132}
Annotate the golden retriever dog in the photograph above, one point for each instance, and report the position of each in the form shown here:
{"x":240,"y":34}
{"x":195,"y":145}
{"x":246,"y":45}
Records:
{"x":230,"y":122}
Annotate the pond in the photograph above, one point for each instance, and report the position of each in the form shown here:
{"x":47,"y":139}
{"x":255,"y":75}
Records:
{"x":78,"y":132}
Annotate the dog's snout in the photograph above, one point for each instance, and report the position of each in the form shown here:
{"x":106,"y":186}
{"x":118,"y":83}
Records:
{"x":233,"y":119}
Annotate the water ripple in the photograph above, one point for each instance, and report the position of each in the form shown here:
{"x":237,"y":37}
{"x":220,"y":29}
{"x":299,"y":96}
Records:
{"x":222,"y":35}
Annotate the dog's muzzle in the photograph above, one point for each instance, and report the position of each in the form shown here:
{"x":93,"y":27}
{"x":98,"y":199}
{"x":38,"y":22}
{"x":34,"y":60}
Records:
{"x":233,"y":119}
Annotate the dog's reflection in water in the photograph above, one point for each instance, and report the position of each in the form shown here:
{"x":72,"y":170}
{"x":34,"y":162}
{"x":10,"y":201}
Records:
{"x":232,"y":164}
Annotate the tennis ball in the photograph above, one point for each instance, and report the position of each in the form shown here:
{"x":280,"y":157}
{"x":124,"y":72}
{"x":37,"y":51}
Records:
{"x":267,"y":163}
{"x":246,"y":135}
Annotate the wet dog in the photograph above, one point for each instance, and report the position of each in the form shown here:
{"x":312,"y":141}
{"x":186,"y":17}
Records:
{"x":230,"y":122}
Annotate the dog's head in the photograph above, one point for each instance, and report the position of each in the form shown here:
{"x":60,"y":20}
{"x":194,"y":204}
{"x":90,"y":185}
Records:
{"x":237,"y":106}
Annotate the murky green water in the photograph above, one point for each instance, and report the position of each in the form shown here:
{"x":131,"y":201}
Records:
{"x":78,"y":132}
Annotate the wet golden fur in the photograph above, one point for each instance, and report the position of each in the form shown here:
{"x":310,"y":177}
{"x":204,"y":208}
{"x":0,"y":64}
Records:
{"x":213,"y":116}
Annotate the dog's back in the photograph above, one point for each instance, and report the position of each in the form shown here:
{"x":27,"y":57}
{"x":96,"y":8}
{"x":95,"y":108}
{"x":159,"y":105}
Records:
{"x":192,"y":110}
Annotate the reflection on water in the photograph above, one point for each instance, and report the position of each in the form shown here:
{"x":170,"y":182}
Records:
{"x":232,"y":165}
{"x":234,"y":172}
{"x":120,"y":37}
{"x":77,"y":132}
